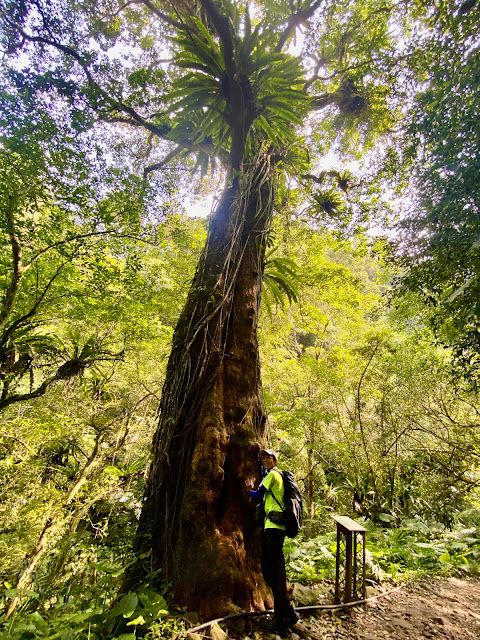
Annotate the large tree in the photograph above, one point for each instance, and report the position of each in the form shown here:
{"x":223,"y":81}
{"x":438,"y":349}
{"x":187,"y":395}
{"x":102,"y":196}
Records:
{"x":217,"y":80}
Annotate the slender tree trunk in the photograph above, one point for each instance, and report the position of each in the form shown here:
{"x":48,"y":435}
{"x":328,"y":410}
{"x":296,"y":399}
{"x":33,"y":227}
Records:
{"x":11,"y":291}
{"x":26,"y":575}
{"x":311,"y":480}
{"x":358,"y":415}
{"x":213,"y":418}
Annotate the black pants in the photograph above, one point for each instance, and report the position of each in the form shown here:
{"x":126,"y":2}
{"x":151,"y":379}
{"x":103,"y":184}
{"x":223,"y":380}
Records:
{"x":273,"y":569}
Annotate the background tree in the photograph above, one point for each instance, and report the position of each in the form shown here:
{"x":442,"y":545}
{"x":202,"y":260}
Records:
{"x":438,"y":241}
{"x":58,"y":241}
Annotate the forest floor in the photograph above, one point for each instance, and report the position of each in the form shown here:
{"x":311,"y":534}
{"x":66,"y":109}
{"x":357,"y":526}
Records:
{"x":444,"y":608}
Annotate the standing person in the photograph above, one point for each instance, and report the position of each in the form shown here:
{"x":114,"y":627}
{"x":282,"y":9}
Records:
{"x":273,"y":534}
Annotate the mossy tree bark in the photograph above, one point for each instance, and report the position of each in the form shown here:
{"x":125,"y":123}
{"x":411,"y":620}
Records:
{"x":212,"y":415}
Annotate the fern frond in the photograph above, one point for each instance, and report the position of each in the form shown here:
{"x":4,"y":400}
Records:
{"x":280,"y":279}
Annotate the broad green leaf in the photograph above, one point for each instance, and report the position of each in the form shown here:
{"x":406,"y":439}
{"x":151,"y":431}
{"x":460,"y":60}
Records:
{"x":38,"y":620}
{"x":386,"y":517}
{"x":86,"y":615}
{"x":126,"y":606}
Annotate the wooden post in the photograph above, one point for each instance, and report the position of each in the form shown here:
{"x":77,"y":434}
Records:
{"x":348,"y":566}
{"x":347,"y":529}
{"x":364,"y":583}
{"x":337,"y":569}
{"x":355,"y":564}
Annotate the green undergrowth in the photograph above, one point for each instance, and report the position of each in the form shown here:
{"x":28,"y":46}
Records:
{"x":93,"y":611}
{"x":413,"y":548}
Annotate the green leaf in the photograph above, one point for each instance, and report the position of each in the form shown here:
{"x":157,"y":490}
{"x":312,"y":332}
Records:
{"x":37,"y":619}
{"x":20,"y":593}
{"x":458,"y":546}
{"x":205,"y":32}
{"x":86,"y":615}
{"x":386,"y":517}
{"x":283,"y":112}
{"x":126,"y":606}
{"x":264,"y":126}
{"x":154,"y":605}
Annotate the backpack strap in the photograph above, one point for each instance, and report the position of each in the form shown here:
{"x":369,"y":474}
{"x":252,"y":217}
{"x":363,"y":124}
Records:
{"x":273,"y":496}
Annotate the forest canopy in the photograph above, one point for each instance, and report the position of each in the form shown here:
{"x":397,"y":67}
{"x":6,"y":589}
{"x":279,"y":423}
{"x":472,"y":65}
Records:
{"x":325,"y":307}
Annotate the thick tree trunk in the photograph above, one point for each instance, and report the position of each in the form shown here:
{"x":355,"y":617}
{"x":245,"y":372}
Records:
{"x":212,"y":417}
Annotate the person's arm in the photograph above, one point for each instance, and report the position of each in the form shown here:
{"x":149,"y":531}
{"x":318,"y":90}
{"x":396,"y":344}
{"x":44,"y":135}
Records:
{"x":259,"y":493}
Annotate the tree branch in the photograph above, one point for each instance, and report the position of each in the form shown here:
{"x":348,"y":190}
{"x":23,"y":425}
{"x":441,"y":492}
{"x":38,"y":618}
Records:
{"x":163,"y":16}
{"x":17,"y":323}
{"x":318,"y":179}
{"x":21,"y":397}
{"x":344,"y":70}
{"x":81,"y":236}
{"x":165,"y":161}
{"x":238,"y":87}
{"x":302,"y":15}
{"x":28,"y":447}
{"x":221,"y":24}
{"x":53,"y":43}
{"x":65,"y":371}
{"x":385,"y":9}
{"x":191,"y":145}
{"x":114,"y":104}
{"x":52,"y":523}
{"x":134,"y":118}
{"x":310,"y":471}
{"x":320,"y":102}
{"x":360,"y":421}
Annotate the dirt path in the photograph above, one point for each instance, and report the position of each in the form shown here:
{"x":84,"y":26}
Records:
{"x":445,"y":608}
